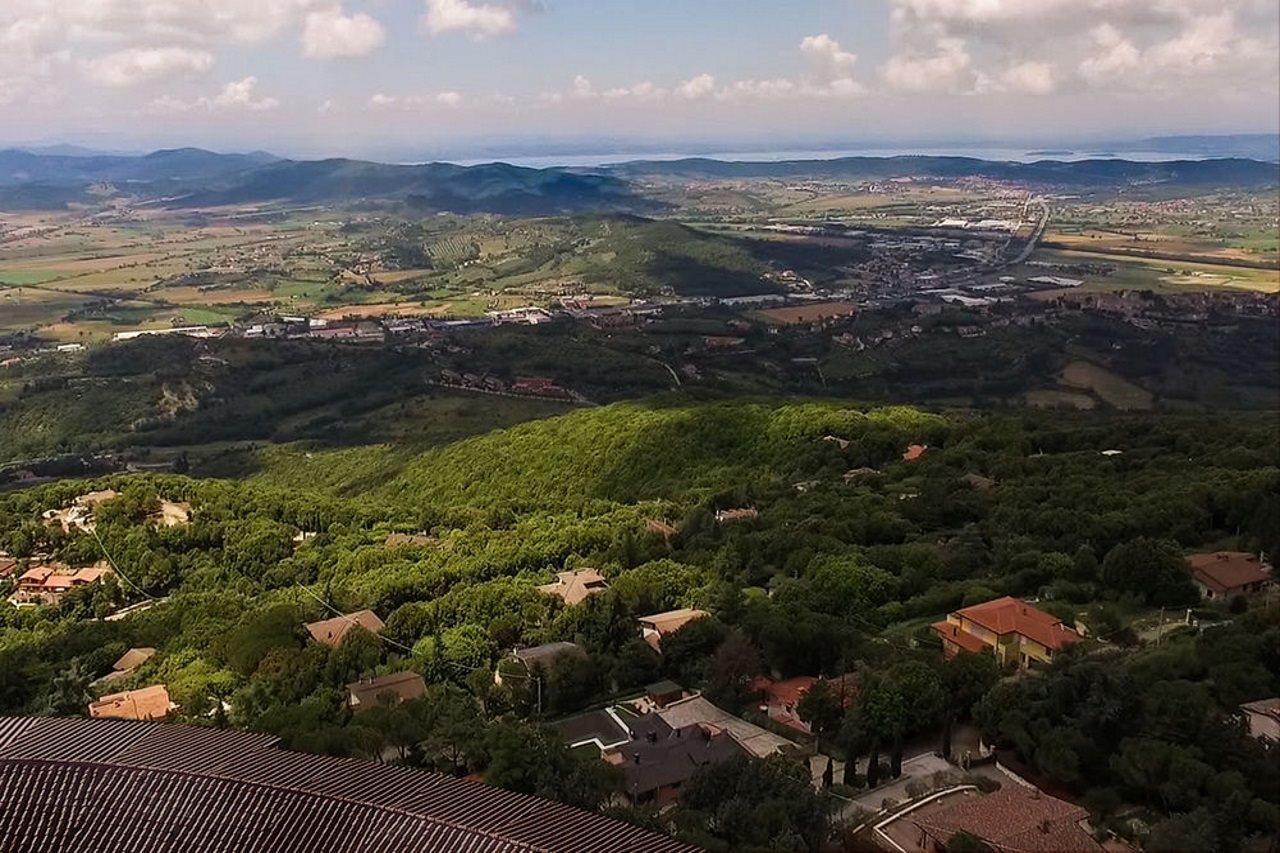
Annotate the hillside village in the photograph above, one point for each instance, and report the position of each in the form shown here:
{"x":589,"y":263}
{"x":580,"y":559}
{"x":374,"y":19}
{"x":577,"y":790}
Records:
{"x":662,"y":686}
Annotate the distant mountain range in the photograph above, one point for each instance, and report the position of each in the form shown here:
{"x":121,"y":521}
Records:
{"x":1100,"y":173}
{"x":192,"y":177}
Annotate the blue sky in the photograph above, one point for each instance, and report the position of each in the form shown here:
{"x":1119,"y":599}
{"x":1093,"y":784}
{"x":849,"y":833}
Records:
{"x":386,"y":76}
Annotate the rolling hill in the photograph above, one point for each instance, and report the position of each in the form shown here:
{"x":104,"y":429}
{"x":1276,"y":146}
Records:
{"x":192,"y":177}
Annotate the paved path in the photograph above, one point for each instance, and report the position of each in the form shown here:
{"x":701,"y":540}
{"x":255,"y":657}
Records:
{"x":916,"y":767}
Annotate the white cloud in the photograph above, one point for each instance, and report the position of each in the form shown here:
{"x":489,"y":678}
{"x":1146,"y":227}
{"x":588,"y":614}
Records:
{"x":327,"y":106}
{"x":241,"y":95}
{"x":450,"y":99}
{"x":1025,"y":78}
{"x":135,"y":65}
{"x":582,"y":88}
{"x":945,"y":70}
{"x":1154,"y":46}
{"x":834,"y":61}
{"x":696,"y":88}
{"x":329,"y":34}
{"x":479,"y":20}
{"x":1116,"y":56}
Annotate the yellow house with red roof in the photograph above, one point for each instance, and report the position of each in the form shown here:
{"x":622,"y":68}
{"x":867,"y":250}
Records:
{"x":1014,"y":631}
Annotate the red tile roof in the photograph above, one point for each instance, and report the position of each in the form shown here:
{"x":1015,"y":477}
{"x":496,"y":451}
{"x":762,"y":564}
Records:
{"x":333,"y":631}
{"x":404,"y":686}
{"x":1008,"y":615}
{"x":952,"y":633}
{"x":75,"y":783}
{"x":914,"y":452}
{"x":1224,"y":571}
{"x":1015,"y":818}
{"x":145,"y":703}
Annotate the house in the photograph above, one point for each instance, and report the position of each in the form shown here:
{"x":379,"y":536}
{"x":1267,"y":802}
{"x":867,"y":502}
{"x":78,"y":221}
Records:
{"x":146,"y":703}
{"x":1014,"y":818}
{"x":1226,"y":574}
{"x":408,"y":540}
{"x":128,"y":662}
{"x":1263,"y":719}
{"x":575,"y":587}
{"x":780,"y":700}
{"x":660,"y":527}
{"x":662,"y":693}
{"x":696,"y":710}
{"x":914,"y":452}
{"x":537,"y":658}
{"x":729,"y":516}
{"x":48,"y":582}
{"x":333,"y":631}
{"x":660,"y":758}
{"x":654,"y":628}
{"x":385,"y":690}
{"x":1015,"y":631}
{"x":79,"y":516}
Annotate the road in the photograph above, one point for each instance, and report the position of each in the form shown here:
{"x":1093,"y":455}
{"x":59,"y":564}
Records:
{"x":1035,"y":235}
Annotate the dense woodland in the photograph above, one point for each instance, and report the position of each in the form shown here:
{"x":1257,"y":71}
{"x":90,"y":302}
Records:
{"x":837,"y":574}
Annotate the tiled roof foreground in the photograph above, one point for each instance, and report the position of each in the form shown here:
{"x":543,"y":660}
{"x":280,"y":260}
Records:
{"x":75,"y":784}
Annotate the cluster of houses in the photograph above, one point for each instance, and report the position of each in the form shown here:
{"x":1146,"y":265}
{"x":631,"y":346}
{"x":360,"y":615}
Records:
{"x":48,"y":581}
{"x":79,"y":514}
{"x":521,"y":386}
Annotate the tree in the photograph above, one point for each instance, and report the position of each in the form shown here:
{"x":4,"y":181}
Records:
{"x":687,"y":652}
{"x":735,"y":662}
{"x":69,"y":690}
{"x":754,"y":804}
{"x":1193,"y":831}
{"x":1151,"y":568}
{"x":820,"y":708}
{"x":451,"y":726}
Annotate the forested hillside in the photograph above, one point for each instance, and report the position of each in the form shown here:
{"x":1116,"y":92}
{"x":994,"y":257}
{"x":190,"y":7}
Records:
{"x":853,"y":552}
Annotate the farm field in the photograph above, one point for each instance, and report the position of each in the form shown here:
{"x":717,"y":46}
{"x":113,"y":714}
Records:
{"x":1164,"y":275}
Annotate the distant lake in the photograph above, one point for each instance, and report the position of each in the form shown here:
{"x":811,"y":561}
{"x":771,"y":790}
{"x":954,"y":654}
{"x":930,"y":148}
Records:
{"x":1017,"y":155}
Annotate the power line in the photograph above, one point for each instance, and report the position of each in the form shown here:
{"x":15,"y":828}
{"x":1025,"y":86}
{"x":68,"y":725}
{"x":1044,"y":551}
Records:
{"x":460,"y":667}
{"x":342,"y":615}
{"x":94,"y":530}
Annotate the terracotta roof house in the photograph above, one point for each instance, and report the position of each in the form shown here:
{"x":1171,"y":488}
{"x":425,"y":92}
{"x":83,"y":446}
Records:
{"x":914,"y":452}
{"x":1014,"y":819}
{"x":1015,"y":632}
{"x":409,"y":540}
{"x":117,"y":785}
{"x":660,"y":527}
{"x":145,"y":703}
{"x":654,"y":628}
{"x":333,"y":631}
{"x":780,"y":700}
{"x":575,"y":587}
{"x":1226,"y":574}
{"x":128,"y":662}
{"x":729,"y":516}
{"x":1263,"y":718}
{"x":48,"y":582}
{"x":385,"y":689}
{"x":660,"y":758}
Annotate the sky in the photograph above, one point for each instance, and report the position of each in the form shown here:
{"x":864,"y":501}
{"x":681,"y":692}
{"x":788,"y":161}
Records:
{"x":395,"y":78}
